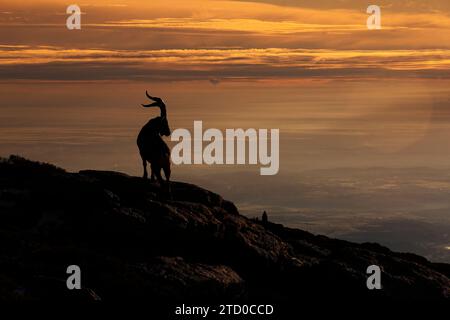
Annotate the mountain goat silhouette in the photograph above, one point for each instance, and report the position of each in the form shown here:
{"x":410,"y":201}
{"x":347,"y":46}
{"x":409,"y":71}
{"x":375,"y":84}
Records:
{"x":152,"y":147}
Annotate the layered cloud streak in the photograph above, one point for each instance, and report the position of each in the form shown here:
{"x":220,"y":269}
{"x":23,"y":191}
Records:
{"x":201,"y":64}
{"x":219,"y":39}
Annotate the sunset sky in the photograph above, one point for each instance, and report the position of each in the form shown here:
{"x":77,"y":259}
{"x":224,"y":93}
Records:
{"x":214,"y":39}
{"x":342,"y":96}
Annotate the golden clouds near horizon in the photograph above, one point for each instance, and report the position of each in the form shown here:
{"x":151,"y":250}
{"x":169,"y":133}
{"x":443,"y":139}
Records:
{"x":263,"y":39}
{"x":225,"y":63}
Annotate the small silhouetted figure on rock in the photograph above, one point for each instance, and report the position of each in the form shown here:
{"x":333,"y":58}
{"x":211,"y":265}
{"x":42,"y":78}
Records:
{"x":152,"y":147}
{"x":264,"y":218}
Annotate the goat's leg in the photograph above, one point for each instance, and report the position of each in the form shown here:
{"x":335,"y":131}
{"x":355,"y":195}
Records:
{"x":152,"y":175}
{"x":167,"y":171}
{"x":157,"y":172}
{"x":144,"y":164}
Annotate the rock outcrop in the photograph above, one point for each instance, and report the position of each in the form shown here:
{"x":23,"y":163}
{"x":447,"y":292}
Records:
{"x":134,"y":242}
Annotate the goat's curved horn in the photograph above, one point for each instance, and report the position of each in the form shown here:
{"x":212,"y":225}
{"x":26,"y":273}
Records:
{"x":154,"y":104}
{"x":148,"y":96}
{"x":158,"y":103}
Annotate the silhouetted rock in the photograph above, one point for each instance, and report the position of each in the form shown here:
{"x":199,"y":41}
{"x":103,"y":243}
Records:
{"x":264,"y":218}
{"x":133,"y":242}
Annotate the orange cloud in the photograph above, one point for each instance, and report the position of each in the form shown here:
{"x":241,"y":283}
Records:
{"x":233,"y":63}
{"x":223,"y":39}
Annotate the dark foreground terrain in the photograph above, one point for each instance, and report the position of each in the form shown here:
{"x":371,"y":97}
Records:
{"x":134,"y":243}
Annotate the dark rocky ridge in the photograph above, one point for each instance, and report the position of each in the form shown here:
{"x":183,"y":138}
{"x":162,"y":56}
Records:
{"x":133,"y":243}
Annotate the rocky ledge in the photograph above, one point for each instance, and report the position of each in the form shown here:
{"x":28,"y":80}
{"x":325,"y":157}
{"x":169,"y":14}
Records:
{"x":134,"y":242}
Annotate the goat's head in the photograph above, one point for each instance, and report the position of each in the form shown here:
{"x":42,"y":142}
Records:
{"x":164,"y":129}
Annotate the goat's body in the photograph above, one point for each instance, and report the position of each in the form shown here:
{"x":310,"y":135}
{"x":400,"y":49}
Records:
{"x":154,"y":150}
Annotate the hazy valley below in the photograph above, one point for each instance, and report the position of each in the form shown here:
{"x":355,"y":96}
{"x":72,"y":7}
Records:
{"x":404,"y":209}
